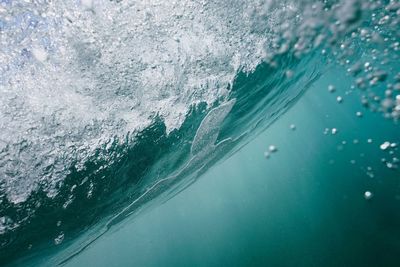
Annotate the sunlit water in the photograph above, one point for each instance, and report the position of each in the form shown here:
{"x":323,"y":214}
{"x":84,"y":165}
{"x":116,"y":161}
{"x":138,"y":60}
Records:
{"x":303,"y":206}
{"x":110,"y":107}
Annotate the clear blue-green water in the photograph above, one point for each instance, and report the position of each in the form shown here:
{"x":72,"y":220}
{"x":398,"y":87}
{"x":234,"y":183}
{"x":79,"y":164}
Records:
{"x":199,"y":133}
{"x":297,"y":208}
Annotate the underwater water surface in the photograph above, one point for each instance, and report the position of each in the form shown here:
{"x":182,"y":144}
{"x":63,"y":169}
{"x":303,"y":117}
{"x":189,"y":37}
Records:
{"x":199,"y":133}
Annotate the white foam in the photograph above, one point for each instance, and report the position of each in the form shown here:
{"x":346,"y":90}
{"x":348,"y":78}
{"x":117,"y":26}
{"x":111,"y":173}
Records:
{"x":76,"y":74}
{"x":39,"y":53}
{"x":79,"y":78}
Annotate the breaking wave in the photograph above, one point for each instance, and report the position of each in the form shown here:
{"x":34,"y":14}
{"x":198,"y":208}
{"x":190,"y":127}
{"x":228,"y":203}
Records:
{"x":107,"y":106}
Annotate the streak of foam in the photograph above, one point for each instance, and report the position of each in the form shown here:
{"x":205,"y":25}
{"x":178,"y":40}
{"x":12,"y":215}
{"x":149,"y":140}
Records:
{"x":207,"y":133}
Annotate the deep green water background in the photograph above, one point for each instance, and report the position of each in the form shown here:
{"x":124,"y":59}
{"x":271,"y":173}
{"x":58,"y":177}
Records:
{"x":302,"y":207}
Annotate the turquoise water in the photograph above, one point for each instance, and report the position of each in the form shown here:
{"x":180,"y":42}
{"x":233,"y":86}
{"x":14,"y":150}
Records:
{"x":199,"y":133}
{"x":297,"y":208}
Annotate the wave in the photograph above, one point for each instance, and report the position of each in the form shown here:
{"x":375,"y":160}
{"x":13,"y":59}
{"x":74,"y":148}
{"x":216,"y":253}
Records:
{"x":108,"y":106}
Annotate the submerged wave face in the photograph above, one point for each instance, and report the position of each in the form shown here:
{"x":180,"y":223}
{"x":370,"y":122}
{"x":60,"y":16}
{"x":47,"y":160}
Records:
{"x":105,"y":105}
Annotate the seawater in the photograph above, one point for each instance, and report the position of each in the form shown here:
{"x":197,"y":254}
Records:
{"x":119,"y":117}
{"x":303,"y":206}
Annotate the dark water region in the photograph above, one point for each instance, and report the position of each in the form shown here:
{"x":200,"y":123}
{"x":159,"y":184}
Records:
{"x":303,"y":206}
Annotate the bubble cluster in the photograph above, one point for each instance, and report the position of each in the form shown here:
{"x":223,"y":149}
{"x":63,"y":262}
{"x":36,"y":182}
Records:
{"x":391,"y":150}
{"x":271,"y":149}
{"x":59,"y":239}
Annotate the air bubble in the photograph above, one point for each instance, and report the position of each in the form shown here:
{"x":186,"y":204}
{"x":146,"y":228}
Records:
{"x":273,"y":148}
{"x":331,"y":88}
{"x":289,"y":74}
{"x":385,"y":145}
{"x":368,"y":195}
{"x":389,"y":165}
